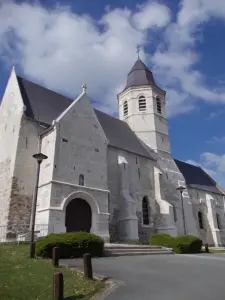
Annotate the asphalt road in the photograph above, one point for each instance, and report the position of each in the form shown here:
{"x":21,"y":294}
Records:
{"x":163,"y":277}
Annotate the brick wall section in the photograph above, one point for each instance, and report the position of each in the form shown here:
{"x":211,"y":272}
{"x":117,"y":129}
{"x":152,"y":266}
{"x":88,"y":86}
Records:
{"x":5,"y":188}
{"x":23,"y":177}
{"x":19,"y":209}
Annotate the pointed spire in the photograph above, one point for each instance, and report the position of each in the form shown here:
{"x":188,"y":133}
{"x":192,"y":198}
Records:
{"x":140,"y":75}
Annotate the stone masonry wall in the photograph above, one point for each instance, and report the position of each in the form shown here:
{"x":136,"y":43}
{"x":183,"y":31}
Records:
{"x":5,"y":188}
{"x":24,"y":177}
{"x":19,"y":209}
{"x":11,"y":111}
{"x":141,"y":183}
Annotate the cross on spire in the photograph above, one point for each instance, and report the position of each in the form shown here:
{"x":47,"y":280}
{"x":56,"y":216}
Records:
{"x":138,"y":49}
{"x":84,"y":88}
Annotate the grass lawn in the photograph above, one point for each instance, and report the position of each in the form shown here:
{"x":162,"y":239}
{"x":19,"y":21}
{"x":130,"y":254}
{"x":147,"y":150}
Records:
{"x":23,"y":278}
{"x":217,"y":251}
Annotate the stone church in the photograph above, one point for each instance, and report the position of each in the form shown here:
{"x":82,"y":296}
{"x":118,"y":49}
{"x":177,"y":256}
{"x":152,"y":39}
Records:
{"x":114,"y":177}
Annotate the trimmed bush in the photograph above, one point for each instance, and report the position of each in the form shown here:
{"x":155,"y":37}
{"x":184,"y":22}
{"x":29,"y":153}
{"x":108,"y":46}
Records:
{"x":72,"y":244}
{"x":188,"y":244}
{"x":164,"y":240}
{"x":180,"y":244}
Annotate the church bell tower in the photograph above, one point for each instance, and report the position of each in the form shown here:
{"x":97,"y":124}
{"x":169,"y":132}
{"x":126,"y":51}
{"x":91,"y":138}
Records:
{"x":142,"y":106}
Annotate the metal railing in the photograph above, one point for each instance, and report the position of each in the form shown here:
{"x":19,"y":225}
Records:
{"x":22,"y":233}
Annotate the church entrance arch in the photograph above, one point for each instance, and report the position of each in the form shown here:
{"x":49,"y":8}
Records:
{"x":78,"y":216}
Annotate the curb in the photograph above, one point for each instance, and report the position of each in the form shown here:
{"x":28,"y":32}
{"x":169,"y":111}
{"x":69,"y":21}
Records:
{"x":111,"y":285}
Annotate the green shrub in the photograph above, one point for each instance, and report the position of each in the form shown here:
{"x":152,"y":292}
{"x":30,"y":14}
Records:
{"x":164,"y":240}
{"x":188,"y":244}
{"x":72,"y":244}
{"x":180,"y":244}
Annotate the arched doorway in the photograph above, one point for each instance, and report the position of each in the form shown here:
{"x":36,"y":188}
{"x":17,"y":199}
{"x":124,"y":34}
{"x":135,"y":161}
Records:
{"x":78,"y":216}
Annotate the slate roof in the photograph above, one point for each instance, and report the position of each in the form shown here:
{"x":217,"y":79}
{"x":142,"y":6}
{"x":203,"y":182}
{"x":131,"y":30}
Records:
{"x":140,"y":75}
{"x":120,"y":135}
{"x":196,"y":177}
{"x":42,"y":104}
{"x":45,"y":105}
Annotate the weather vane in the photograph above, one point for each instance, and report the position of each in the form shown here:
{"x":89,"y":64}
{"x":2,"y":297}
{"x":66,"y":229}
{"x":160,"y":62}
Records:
{"x":138,"y":49}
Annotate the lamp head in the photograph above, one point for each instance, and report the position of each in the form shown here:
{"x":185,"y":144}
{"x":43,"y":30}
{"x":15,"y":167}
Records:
{"x":181,"y":189}
{"x":40,"y":157}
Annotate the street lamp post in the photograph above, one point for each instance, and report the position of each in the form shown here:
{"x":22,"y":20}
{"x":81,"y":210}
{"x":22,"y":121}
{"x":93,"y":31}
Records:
{"x":39,"y":158}
{"x":181,"y":189}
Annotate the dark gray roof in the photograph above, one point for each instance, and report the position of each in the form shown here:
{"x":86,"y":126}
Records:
{"x":196,"y":177}
{"x":42,"y":104}
{"x":45,"y":105}
{"x":120,"y":135}
{"x":140,"y":75}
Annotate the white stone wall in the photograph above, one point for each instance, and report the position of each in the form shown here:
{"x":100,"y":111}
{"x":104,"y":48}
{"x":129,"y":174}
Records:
{"x":11,"y":111}
{"x":171,"y":179}
{"x":48,"y":144}
{"x":138,"y":188}
{"x":24,"y":175}
{"x":209,"y":204}
{"x":76,"y":145}
{"x":81,"y":147}
{"x":150,"y":126}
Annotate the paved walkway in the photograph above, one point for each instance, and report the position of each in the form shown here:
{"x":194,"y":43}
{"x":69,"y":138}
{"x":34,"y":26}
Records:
{"x":165,"y":277}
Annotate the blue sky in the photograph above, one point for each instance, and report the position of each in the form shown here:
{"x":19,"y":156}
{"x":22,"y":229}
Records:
{"x":62,"y":44}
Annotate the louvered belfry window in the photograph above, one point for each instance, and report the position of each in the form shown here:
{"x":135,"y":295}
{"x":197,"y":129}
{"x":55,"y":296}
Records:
{"x":159,"y":105}
{"x":125,"y":108}
{"x":142,"y":103}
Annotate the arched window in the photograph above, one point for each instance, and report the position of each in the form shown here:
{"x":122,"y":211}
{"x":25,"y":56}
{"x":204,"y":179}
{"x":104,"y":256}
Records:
{"x":81,"y":179}
{"x":200,"y":220}
{"x":145,"y":211}
{"x":142,"y":103}
{"x":159,"y":105}
{"x":125,"y":108}
{"x":218,"y":220}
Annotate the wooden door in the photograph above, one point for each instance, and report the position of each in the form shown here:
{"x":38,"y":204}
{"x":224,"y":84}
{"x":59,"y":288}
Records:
{"x":78,"y":216}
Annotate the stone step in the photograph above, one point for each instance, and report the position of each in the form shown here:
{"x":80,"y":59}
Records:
{"x":125,"y":250}
{"x":132,"y":248}
{"x":127,"y":246}
{"x":136,"y":253}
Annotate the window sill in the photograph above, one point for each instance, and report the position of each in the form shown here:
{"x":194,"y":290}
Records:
{"x":147,"y":226}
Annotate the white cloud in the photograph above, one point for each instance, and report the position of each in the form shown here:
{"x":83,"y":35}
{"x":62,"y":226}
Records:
{"x":178,"y":103}
{"x":216,"y":139}
{"x":152,"y":14}
{"x":63,"y":50}
{"x":197,"y":164}
{"x":213,"y":115}
{"x":192,"y":162}
{"x":176,"y":58}
{"x":213,"y":164}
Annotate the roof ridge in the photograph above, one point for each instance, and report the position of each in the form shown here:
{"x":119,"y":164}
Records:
{"x":184,"y":162}
{"x":209,"y":176}
{"x":102,"y":112}
{"x":65,"y":96}
{"x":139,"y":68}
